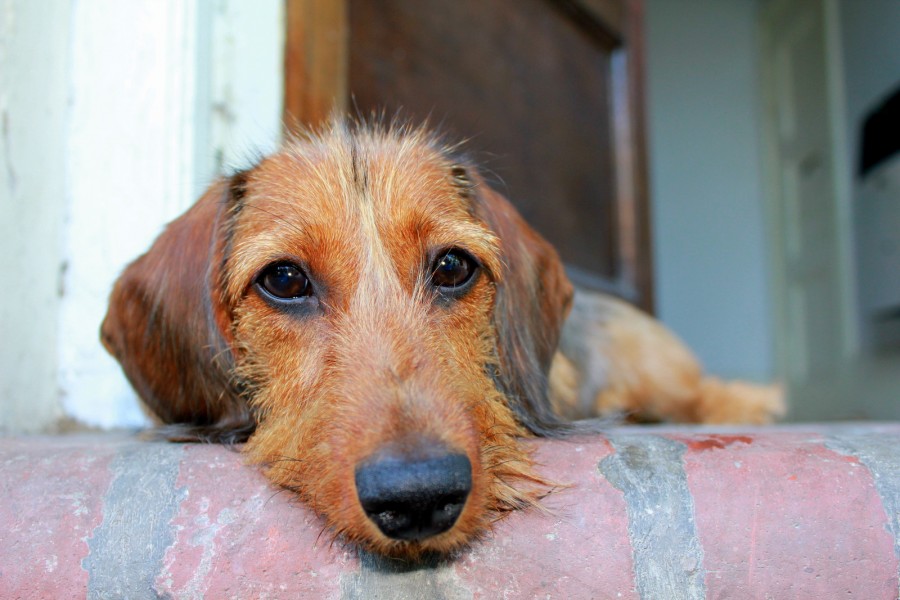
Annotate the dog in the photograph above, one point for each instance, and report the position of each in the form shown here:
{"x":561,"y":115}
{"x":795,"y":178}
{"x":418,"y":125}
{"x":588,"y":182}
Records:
{"x":381,"y":328}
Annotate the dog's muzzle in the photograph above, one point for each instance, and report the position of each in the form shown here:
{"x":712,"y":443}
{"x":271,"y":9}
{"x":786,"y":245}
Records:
{"x":414,"y":498}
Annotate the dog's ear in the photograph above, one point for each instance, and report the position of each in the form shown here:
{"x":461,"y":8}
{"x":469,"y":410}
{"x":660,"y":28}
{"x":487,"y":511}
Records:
{"x":533,"y":299}
{"x":168,"y":325}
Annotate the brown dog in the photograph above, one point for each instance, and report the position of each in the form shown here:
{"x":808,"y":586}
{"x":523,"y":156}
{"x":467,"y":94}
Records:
{"x":380,"y":326}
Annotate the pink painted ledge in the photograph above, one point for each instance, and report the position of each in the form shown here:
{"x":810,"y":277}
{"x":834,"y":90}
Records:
{"x":781,"y":512}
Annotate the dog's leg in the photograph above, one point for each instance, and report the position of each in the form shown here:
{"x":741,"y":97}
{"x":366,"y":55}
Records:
{"x":616,"y":359}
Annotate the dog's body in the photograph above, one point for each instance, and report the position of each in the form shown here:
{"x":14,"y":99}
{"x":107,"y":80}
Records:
{"x":381,"y":327}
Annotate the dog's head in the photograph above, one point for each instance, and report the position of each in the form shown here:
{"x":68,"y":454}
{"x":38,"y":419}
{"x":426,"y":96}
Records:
{"x":378,"y":321}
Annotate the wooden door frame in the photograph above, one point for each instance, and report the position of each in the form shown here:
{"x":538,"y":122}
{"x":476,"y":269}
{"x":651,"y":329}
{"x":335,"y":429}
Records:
{"x":315,"y":61}
{"x":316,"y":84}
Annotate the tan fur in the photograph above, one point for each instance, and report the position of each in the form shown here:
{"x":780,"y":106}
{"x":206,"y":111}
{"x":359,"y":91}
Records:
{"x":377,"y":358}
{"x":616,"y":359}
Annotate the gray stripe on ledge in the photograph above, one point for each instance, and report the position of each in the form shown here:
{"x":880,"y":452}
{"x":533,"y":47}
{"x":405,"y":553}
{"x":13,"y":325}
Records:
{"x":879,"y":453}
{"x":382,"y":578}
{"x":128,"y":547}
{"x":668,"y":557}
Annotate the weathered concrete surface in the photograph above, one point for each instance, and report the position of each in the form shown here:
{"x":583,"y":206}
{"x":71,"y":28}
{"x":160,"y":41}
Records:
{"x":783,"y":516}
{"x":652,"y":513}
{"x":650,"y":472}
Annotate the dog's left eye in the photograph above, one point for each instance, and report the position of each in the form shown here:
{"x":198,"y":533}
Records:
{"x":285,"y":281}
{"x":452,"y":269}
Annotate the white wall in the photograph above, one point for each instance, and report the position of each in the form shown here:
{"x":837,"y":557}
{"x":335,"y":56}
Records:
{"x":871,"y":46}
{"x":870,"y":39}
{"x":165,"y":94}
{"x":708,"y":211}
{"x":120,"y":113}
{"x":34,"y":37}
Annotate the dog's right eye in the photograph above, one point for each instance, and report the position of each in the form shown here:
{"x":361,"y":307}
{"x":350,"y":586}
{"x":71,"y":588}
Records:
{"x":284,"y":281}
{"x":452,"y":270}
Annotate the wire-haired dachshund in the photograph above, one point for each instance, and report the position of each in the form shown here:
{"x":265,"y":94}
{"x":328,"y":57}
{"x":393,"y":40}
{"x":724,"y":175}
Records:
{"x":381,"y":327}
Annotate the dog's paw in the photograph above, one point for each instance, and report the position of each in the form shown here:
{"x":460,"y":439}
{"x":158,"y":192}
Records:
{"x":739,"y":402}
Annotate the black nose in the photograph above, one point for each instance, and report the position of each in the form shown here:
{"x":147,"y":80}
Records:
{"x":414,"y":499}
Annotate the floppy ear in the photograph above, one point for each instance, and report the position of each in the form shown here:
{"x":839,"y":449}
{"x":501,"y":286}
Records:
{"x":168,"y":326}
{"x":533,"y":299}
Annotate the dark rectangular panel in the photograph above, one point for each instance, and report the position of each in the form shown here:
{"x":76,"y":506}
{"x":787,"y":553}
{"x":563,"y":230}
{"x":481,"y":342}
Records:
{"x":528,"y":82}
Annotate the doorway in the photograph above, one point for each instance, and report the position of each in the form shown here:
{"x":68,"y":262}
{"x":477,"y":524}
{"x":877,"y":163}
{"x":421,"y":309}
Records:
{"x":829,"y":373}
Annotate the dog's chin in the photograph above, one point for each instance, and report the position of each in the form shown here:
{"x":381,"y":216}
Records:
{"x":444,"y":546}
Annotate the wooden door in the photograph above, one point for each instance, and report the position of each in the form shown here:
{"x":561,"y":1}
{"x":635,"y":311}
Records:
{"x":547,"y":93}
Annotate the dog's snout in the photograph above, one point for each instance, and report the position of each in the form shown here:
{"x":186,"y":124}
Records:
{"x":414,"y":498}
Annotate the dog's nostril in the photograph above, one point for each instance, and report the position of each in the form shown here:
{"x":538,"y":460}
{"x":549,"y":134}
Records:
{"x":414,"y":499}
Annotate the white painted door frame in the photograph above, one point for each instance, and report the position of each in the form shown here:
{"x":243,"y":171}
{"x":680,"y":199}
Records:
{"x":791,"y":363}
{"x":111,"y":131}
{"x":165,"y":96}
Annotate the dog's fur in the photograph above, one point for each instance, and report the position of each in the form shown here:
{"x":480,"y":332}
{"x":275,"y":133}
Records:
{"x":376,"y":356}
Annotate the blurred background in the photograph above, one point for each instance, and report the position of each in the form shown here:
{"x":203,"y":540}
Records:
{"x":730,"y":165}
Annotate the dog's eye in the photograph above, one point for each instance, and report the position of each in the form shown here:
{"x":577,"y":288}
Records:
{"x":452,"y":269}
{"x":284,"y":280}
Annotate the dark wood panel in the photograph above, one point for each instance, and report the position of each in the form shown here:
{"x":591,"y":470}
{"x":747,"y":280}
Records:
{"x":526,"y":84}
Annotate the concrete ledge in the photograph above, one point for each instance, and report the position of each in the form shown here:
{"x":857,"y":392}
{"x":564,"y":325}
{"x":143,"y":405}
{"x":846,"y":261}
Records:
{"x":655,"y":513}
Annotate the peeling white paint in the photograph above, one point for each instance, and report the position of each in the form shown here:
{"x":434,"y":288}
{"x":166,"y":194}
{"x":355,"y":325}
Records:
{"x":50,"y":563}
{"x":113,"y":118}
{"x":33,"y":46}
{"x":151,"y":83}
